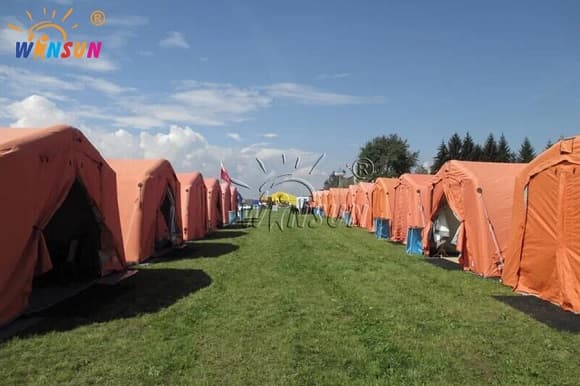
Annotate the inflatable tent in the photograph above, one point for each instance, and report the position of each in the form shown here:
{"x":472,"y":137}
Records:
{"x":234,"y":196}
{"x":471,"y":213}
{"x":363,"y":205}
{"x":543,"y":254}
{"x":214,"y":204}
{"x":226,"y":202}
{"x":193,"y":205}
{"x":337,"y":202}
{"x":60,"y":219}
{"x":325,"y":201}
{"x":383,"y":205}
{"x":412,"y":207}
{"x":149,"y":205}
{"x":350,"y":215}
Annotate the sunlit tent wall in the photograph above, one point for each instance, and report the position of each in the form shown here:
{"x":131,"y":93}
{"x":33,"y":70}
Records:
{"x":193,"y":205}
{"x":234,"y":197}
{"x":350,"y":215}
{"x":471,"y":213}
{"x":226,"y":201}
{"x":412,"y":208}
{"x":214,"y":204}
{"x":150,"y":206}
{"x":543,"y":256}
{"x":60,"y":219}
{"x":384,"y":205}
{"x":364,"y":205}
{"x":337,"y":200}
{"x":325,"y":198}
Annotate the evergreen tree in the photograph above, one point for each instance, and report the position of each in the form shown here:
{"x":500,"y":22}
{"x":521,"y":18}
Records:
{"x":467,"y":148}
{"x":454,"y":147}
{"x":526,"y":153}
{"x":477,"y":154}
{"x":489,"y":150}
{"x":504,"y":153}
{"x":441,"y":157}
{"x":549,"y":144}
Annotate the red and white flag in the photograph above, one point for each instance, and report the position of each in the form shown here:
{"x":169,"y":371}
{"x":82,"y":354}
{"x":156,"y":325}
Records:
{"x":224,"y":175}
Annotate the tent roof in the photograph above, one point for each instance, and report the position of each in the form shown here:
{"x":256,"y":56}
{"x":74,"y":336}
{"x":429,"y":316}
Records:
{"x":190,"y":178}
{"x":211,"y":183}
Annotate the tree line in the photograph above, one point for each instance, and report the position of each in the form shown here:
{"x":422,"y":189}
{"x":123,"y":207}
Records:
{"x":465,"y":149}
{"x":391,"y":156}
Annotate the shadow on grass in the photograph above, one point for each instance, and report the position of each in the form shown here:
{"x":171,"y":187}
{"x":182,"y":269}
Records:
{"x":196,"y":250}
{"x":225,"y":234}
{"x":147,"y":292}
{"x":543,"y":311}
{"x":445,"y":264}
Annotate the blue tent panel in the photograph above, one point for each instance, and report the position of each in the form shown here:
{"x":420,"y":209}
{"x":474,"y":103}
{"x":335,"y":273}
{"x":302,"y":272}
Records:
{"x":414,"y":244}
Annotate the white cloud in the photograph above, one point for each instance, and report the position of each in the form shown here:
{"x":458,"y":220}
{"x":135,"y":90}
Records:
{"x":8,"y":39}
{"x":174,"y":39}
{"x":100,"y":64}
{"x":311,"y":95}
{"x":105,"y":86}
{"x":338,"y":75}
{"x":270,"y":135}
{"x":33,"y":82}
{"x":234,"y":136}
{"x":36,"y":111}
{"x":184,"y":147}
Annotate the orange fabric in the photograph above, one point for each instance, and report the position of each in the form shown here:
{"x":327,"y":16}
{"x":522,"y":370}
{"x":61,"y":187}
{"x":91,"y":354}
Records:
{"x":214,"y":204}
{"x":325,"y":199}
{"x":482,"y":246}
{"x":384,"y":197}
{"x":38,"y":168}
{"x":141,"y":187}
{"x":337,"y":199}
{"x":543,"y":254}
{"x":350,"y":200}
{"x":234,"y":198}
{"x":226,"y":201}
{"x":412,"y":204}
{"x":363,"y":207}
{"x":193,"y":205}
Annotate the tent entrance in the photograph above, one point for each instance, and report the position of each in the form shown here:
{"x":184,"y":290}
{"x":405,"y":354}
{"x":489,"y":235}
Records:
{"x":73,"y":239}
{"x":168,"y":211}
{"x":444,"y":232}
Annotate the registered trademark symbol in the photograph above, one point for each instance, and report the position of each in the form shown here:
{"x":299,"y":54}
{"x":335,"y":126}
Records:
{"x":98,"y":18}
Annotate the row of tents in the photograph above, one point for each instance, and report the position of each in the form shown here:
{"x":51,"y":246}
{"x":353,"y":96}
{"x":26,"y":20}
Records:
{"x":69,"y":215}
{"x":518,"y":222}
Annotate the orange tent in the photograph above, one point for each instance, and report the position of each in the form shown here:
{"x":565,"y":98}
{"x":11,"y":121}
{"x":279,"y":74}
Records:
{"x":412,"y":205}
{"x":337,"y":200}
{"x":60,"y":219}
{"x":234,"y":198}
{"x":543,"y":255}
{"x":214,"y":204}
{"x":226,"y":201}
{"x":325,"y":198}
{"x":350,"y":201}
{"x":364,"y":205}
{"x":193,"y":205}
{"x":149,"y":205}
{"x":384,"y":197}
{"x":471,"y":213}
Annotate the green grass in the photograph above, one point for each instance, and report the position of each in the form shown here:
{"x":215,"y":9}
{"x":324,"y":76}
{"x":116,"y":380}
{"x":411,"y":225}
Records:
{"x":310,"y":306}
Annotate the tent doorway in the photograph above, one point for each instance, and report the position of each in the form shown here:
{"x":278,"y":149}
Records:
{"x":444,"y":232}
{"x":73,"y":239}
{"x":168,"y":211}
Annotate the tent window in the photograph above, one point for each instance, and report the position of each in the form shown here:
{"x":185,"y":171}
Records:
{"x":73,"y":239}
{"x":445,"y":232}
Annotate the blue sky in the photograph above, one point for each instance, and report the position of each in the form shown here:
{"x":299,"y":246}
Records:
{"x":204,"y":81}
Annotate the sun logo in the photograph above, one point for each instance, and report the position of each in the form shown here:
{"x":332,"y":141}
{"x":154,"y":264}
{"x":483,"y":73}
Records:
{"x":59,"y":48}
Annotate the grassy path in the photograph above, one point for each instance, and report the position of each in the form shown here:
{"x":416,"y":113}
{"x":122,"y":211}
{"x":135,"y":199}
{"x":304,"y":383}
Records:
{"x":317,"y":305}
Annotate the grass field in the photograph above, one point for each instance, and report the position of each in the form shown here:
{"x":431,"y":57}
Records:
{"x":310,"y":306}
